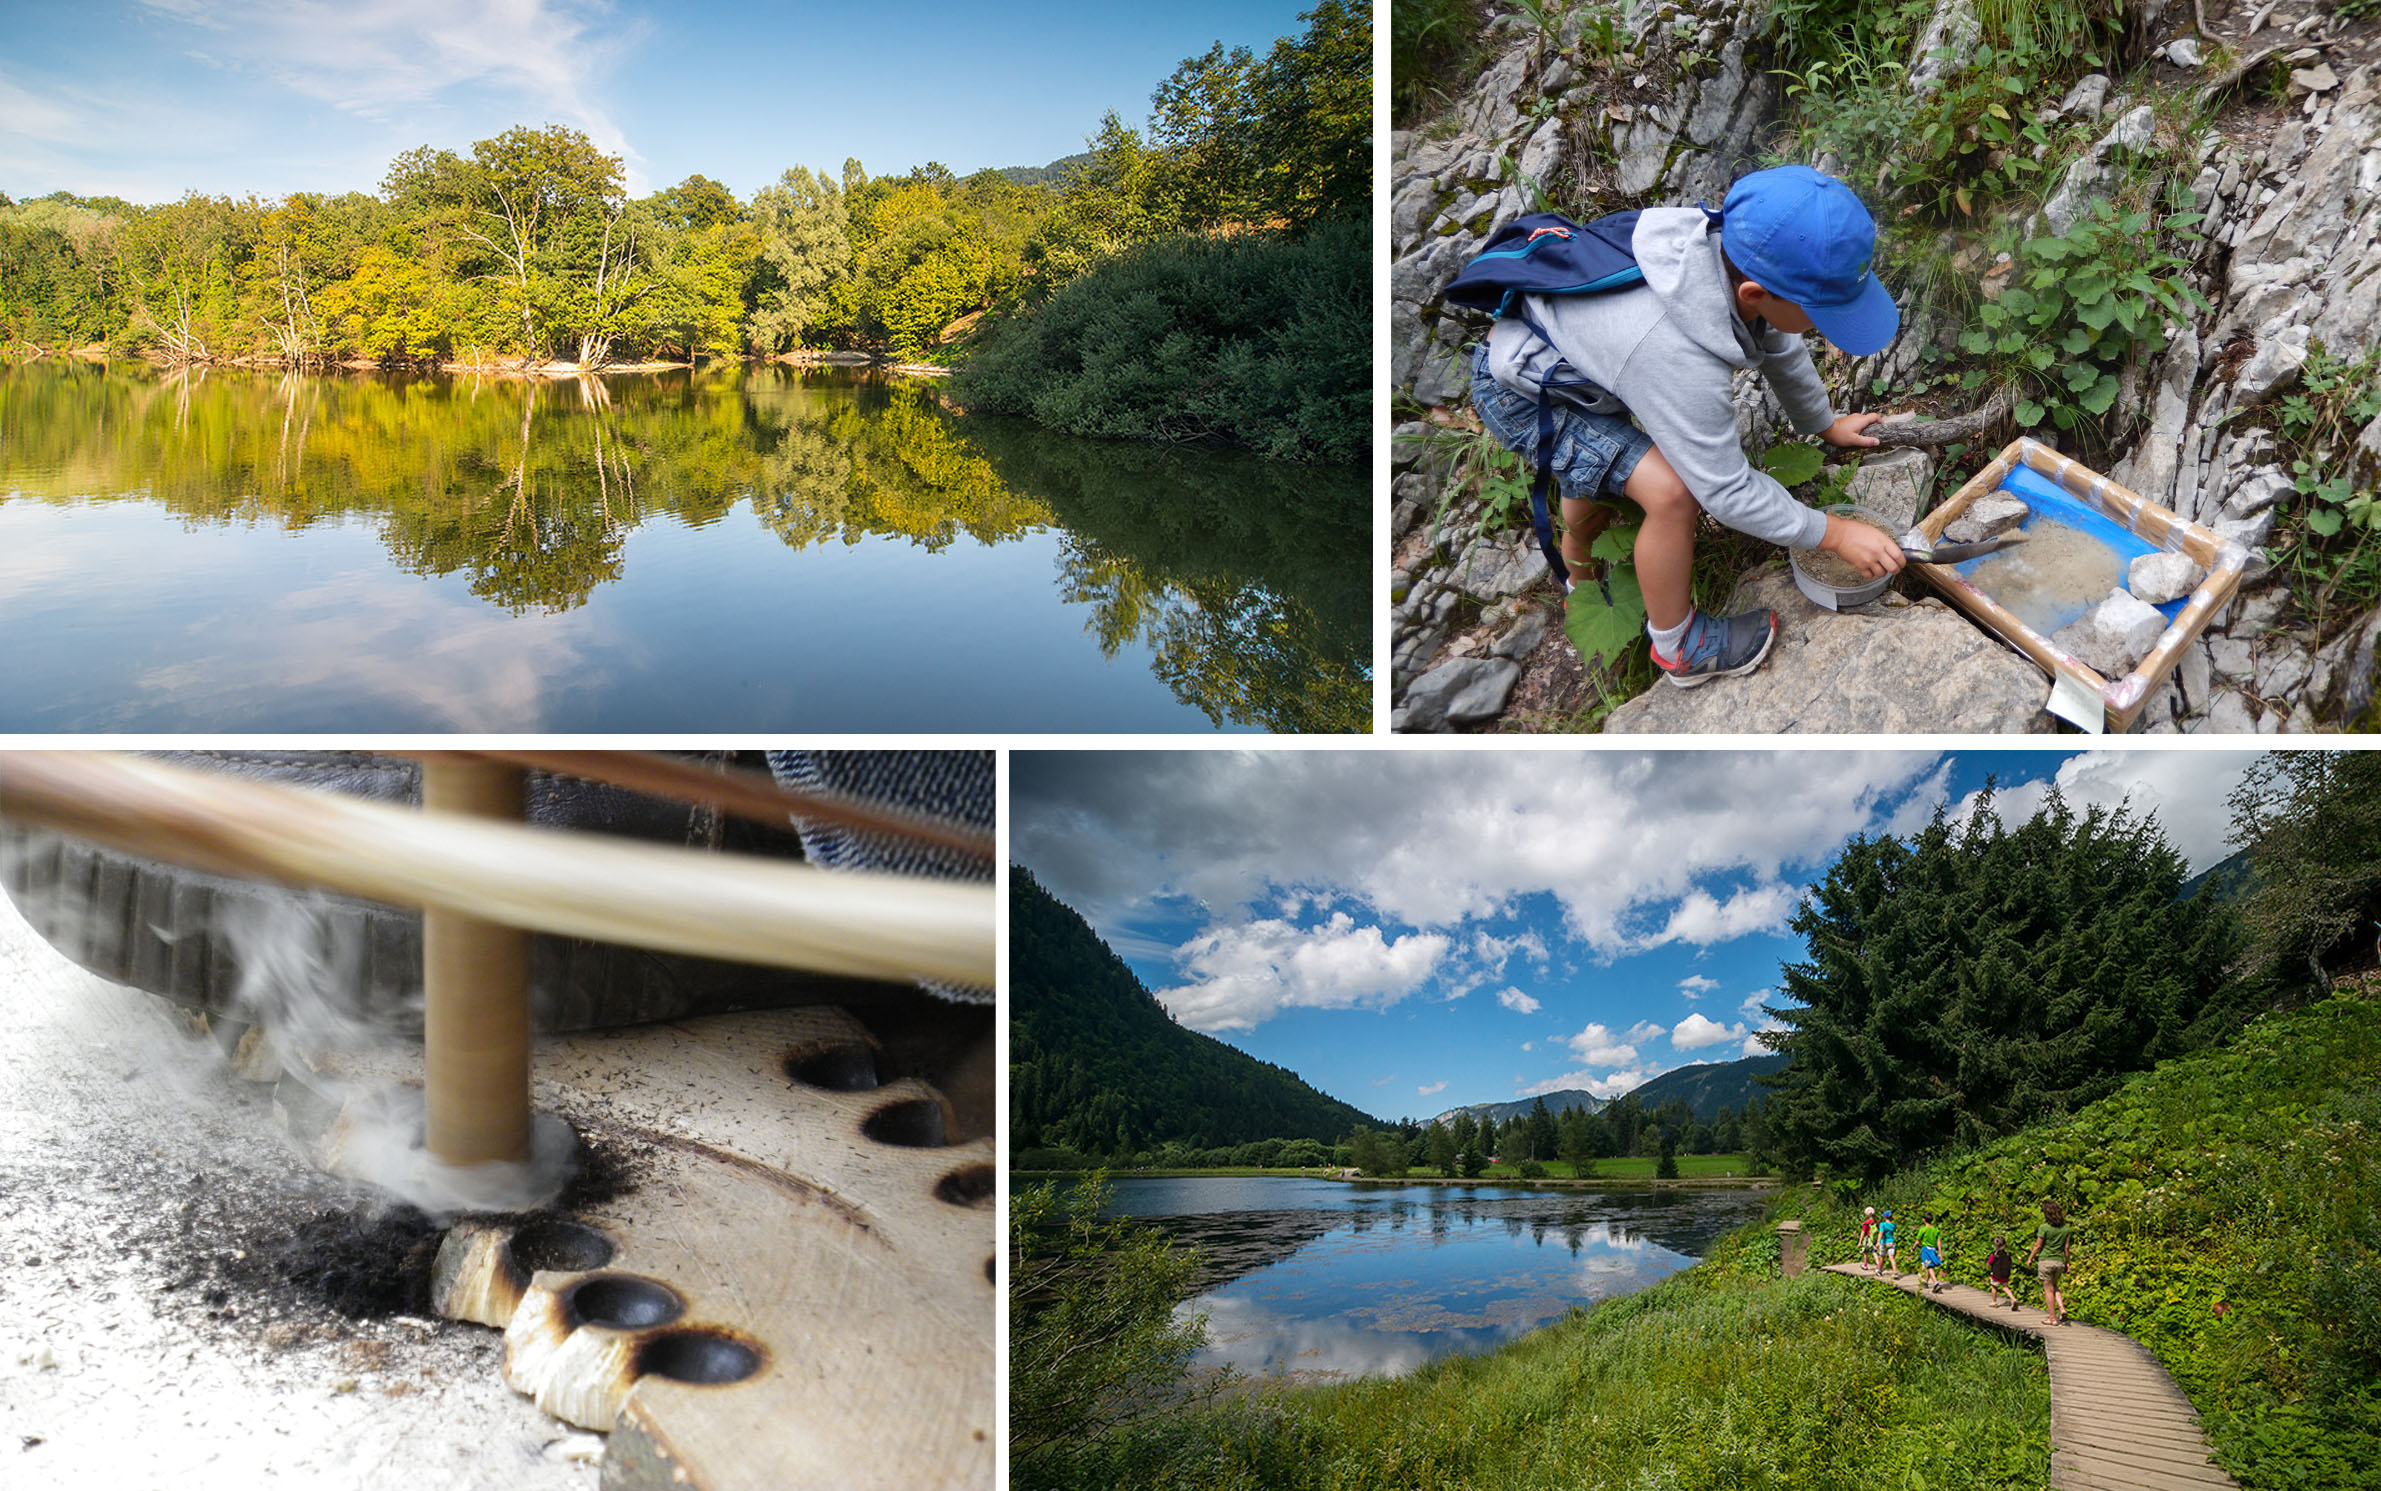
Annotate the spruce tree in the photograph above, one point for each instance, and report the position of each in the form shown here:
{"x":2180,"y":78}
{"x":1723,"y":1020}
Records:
{"x":1974,"y":978}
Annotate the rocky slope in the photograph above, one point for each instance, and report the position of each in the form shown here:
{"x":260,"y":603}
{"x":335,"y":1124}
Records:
{"x":2285,"y":173}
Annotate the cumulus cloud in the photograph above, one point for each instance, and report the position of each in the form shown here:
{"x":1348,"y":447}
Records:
{"x":1598,"y":1046}
{"x":1647,"y":1030}
{"x":1611,"y":1085}
{"x":1616,"y":839}
{"x":1431,"y":1089}
{"x":1237,"y":976}
{"x":1695,"y":985}
{"x":1701,"y":919}
{"x":2186,"y":790}
{"x":1514,"y":999}
{"x":1752,"y":1041}
{"x":1694,"y":1033}
{"x":1529,"y":1045}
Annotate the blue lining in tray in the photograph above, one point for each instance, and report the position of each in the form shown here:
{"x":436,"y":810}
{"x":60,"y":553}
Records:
{"x":2043,"y":495}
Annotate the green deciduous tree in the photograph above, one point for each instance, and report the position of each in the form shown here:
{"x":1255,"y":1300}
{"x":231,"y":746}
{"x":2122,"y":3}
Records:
{"x":1094,"y":1343}
{"x":2312,"y":824}
{"x":803,"y":230}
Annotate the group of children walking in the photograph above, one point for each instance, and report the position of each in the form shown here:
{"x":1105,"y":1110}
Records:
{"x":1879,"y":1251}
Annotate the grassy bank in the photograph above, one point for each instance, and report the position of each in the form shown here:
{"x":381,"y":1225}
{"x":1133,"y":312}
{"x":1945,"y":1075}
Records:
{"x":1724,"y":1376}
{"x":1691,"y":1167}
{"x":2229,"y":1211}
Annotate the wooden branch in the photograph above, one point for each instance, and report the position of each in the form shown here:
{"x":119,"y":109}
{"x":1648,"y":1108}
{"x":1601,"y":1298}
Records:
{"x":1912,"y":431}
{"x":744,"y":793}
{"x":2232,"y":75}
{"x":739,"y":907}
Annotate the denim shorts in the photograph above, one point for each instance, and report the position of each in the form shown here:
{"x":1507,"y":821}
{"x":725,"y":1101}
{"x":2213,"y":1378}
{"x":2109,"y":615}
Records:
{"x":1594,"y":454}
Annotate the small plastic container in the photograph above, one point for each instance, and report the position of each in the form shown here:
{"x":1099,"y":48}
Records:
{"x":1839,"y":597}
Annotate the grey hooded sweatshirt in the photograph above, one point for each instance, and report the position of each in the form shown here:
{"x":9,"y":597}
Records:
{"x":1666,"y":350}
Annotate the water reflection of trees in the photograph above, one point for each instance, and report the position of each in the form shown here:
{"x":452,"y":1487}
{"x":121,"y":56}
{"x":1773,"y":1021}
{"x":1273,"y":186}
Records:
{"x":1245,"y":579}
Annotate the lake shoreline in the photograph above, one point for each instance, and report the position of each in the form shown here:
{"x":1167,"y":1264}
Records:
{"x":1548,"y":1183}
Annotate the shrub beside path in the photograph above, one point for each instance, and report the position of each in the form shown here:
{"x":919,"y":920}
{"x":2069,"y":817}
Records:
{"x":2117,"y":1421}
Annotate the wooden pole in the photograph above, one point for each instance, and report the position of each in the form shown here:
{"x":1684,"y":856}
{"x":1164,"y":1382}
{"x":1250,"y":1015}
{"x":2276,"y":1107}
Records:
{"x":475,"y":1026}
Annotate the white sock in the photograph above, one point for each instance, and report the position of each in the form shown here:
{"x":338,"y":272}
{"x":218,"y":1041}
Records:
{"x":1667,"y":638}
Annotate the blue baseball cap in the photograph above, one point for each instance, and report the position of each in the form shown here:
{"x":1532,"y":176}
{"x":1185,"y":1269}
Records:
{"x":1803,"y":236}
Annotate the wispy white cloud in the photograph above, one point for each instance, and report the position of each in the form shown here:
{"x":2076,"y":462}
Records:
{"x":1431,"y":1089}
{"x":382,"y":59}
{"x":1647,"y":1030}
{"x":1751,"y":1003}
{"x":1514,"y":999}
{"x":1695,"y":986}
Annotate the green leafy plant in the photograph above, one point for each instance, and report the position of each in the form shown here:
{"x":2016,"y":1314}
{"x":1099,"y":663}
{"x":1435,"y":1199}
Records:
{"x":1792,"y":462}
{"x":1604,"y":619}
{"x":2080,"y":306}
{"x":2331,"y":540}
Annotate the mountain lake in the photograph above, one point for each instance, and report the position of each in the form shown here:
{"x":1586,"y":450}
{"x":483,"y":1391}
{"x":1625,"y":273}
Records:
{"x":740,"y":548}
{"x":1322,"y":1280}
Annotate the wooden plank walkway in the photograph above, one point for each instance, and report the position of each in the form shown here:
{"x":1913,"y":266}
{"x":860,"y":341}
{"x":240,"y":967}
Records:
{"x":2117,"y":1421}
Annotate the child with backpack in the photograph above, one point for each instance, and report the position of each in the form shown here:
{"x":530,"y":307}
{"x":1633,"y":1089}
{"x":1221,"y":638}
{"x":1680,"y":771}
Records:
{"x":1678,"y":300}
{"x":1885,"y":1245}
{"x":1996,"y":1269}
{"x":1868,"y":1238}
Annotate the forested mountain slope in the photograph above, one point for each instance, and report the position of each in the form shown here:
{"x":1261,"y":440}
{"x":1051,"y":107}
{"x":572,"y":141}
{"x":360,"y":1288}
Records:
{"x":1096,"y":1065}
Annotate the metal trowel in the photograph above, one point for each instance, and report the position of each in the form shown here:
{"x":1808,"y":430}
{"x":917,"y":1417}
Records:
{"x":1923,"y":550}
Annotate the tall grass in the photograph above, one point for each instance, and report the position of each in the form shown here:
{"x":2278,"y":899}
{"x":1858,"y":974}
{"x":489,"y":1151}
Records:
{"x":1723,"y":1377}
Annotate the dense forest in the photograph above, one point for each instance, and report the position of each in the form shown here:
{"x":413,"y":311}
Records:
{"x":1099,"y":1069}
{"x":1253,"y":170}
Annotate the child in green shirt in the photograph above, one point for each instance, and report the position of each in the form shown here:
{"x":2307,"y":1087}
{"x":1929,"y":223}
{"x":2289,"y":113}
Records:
{"x":1930,"y":1253}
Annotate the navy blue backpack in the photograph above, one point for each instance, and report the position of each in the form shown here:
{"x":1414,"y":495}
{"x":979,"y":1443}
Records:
{"x":1548,"y":254}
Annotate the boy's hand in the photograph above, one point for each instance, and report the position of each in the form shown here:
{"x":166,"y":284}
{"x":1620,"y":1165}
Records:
{"x":1871,"y":551}
{"x":1846,"y":431}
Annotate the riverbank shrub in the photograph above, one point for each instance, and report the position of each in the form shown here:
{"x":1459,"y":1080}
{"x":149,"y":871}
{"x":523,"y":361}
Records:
{"x":2229,"y":1218}
{"x":1251,"y":338}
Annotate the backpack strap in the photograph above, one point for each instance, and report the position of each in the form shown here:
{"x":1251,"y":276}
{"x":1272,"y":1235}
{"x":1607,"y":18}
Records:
{"x":1559,"y":380}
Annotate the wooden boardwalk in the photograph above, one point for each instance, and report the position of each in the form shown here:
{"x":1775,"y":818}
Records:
{"x":2117,"y":1421}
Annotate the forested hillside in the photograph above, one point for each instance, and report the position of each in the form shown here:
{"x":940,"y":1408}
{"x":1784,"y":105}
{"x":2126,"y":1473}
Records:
{"x":1708,"y":1087}
{"x":530,"y":248}
{"x":1097,"y":1066}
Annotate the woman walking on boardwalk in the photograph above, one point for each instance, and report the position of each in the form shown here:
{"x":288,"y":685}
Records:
{"x":2051,"y":1249}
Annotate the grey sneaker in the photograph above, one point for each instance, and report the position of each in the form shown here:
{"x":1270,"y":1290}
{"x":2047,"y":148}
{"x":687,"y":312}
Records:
{"x":1719,"y":648}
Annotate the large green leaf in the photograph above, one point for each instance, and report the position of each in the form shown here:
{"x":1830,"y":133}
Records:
{"x":1792,"y":463}
{"x":1600,"y":632}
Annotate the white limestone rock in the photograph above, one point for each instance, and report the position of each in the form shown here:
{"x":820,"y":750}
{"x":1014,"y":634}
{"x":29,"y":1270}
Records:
{"x":2162,"y":577}
{"x":2114,"y":636}
{"x":1989,"y":516}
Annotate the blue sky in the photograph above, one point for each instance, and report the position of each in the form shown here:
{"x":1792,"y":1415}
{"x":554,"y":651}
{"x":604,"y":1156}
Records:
{"x":1414,"y":930}
{"x":147,"y":99}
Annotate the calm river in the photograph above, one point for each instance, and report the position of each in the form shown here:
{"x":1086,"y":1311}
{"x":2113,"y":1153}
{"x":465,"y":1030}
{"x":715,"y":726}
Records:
{"x":1322,"y":1280}
{"x":741,"y":549}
